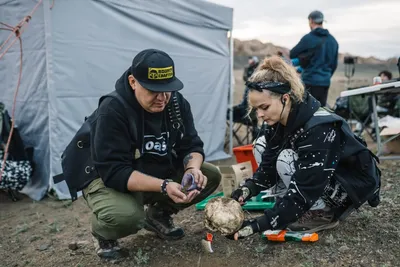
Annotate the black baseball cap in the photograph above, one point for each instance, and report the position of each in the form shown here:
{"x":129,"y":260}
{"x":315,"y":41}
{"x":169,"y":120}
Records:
{"x":155,"y":71}
{"x":316,"y":16}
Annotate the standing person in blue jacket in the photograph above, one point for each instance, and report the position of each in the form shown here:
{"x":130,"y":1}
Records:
{"x":317,"y":74}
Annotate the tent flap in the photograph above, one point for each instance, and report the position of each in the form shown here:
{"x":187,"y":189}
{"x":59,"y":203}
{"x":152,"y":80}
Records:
{"x":84,"y":48}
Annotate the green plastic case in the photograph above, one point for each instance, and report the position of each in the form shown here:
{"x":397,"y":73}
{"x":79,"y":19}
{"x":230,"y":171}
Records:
{"x":255,"y":203}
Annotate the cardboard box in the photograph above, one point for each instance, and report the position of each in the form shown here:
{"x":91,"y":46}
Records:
{"x":393,"y":146}
{"x":228,"y":183}
{"x":233,"y":175}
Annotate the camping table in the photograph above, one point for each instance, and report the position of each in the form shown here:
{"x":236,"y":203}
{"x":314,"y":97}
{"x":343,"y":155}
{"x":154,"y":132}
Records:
{"x":388,"y":87}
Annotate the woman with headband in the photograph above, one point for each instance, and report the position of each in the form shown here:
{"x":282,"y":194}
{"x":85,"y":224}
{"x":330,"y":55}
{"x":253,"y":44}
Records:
{"x":319,"y":169}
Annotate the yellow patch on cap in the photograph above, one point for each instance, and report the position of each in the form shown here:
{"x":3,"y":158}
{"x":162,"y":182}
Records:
{"x":160,"y":73}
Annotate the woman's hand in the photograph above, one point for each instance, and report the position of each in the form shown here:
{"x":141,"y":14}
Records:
{"x":241,"y":195}
{"x":249,"y":227}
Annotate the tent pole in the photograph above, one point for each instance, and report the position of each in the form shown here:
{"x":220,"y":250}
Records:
{"x":231,"y":95}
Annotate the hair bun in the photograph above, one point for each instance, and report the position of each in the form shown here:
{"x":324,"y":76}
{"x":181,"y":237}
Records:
{"x":273,"y":63}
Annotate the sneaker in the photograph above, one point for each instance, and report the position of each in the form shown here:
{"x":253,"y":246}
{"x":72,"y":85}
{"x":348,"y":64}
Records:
{"x":313,"y":221}
{"x":107,"y":249}
{"x":161,"y":223}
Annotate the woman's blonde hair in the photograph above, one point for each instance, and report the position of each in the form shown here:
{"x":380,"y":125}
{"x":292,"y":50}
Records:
{"x":275,"y":69}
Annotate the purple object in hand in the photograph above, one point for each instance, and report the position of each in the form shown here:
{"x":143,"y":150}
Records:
{"x":188,"y":183}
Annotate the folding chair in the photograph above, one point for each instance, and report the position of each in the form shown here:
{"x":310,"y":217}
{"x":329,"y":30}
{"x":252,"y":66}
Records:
{"x":241,"y":120}
{"x":359,"y":107}
{"x":243,"y":139}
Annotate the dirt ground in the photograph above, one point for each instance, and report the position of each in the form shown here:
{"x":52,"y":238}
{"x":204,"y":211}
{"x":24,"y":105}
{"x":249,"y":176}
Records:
{"x":56,"y":233}
{"x":40,"y":233}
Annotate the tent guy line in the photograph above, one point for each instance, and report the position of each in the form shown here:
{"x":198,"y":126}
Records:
{"x":17,"y":31}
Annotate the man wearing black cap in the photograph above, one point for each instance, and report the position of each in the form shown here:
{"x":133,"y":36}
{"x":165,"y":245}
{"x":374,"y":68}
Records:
{"x":145,"y":163}
{"x":319,"y":49}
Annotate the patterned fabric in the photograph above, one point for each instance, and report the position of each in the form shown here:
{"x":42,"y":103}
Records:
{"x":312,"y":181}
{"x":16,"y":173}
{"x":18,"y":169}
{"x":328,"y":154}
{"x":334,"y":194}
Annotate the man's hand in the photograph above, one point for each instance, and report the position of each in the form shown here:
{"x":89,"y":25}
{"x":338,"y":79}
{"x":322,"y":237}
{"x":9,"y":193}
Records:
{"x":199,"y":178}
{"x":175,"y":193}
{"x":241,"y":195}
{"x":248,"y":228}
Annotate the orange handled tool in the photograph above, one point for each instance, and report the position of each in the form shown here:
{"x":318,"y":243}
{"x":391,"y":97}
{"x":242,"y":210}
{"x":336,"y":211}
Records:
{"x":284,"y":235}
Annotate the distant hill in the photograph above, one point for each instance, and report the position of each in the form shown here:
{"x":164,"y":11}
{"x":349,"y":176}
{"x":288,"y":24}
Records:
{"x":244,"y":49}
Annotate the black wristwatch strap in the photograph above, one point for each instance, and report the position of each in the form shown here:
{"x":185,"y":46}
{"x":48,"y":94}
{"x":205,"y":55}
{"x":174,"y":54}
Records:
{"x":164,"y":186}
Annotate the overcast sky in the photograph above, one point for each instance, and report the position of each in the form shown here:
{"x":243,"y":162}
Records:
{"x":362,"y":27}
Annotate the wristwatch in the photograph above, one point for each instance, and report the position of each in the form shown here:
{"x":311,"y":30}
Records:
{"x":164,"y":186}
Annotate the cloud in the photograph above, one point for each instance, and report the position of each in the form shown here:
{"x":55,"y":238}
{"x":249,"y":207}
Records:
{"x":362,"y":27}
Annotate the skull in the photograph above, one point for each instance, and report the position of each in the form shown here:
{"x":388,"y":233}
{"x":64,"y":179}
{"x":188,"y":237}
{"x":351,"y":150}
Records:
{"x":224,"y":215}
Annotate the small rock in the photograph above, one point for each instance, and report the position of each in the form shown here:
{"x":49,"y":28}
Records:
{"x":147,"y":248}
{"x":73,"y":246}
{"x":80,"y":234}
{"x":343,"y":248}
{"x":116,"y":261}
{"x":34,"y":238}
{"x":83,"y":243}
{"x":388,"y":186}
{"x":198,"y":231}
{"x":44,"y":247}
{"x":76,"y":252}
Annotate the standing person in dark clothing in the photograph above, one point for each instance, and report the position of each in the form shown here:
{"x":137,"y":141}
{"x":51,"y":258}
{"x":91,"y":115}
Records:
{"x":248,"y":71}
{"x":240,"y":110}
{"x":323,"y":62}
{"x":250,"y":68}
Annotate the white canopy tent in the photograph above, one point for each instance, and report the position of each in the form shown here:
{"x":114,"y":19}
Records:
{"x":75,"y":51}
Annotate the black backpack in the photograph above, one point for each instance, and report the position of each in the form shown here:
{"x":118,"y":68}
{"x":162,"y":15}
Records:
{"x":76,"y":161}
